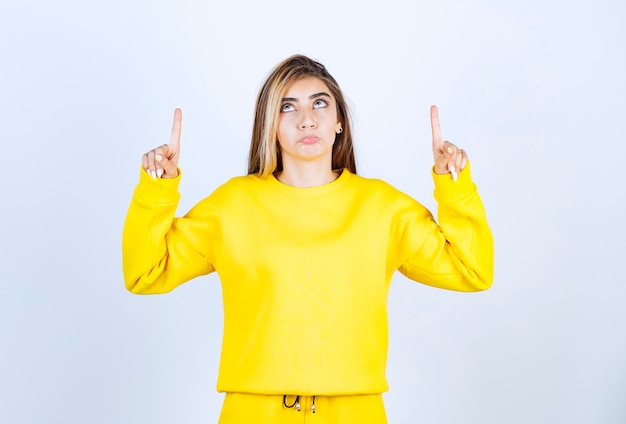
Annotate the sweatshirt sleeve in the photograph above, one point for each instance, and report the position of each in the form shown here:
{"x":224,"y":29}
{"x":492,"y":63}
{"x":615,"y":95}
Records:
{"x":457,"y":254}
{"x":159,"y":251}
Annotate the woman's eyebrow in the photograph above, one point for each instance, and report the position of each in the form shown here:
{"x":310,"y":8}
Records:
{"x":311,"y":97}
{"x":320,"y":94}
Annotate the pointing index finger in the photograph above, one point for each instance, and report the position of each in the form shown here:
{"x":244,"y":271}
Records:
{"x":174,"y":145}
{"x":436,"y":129}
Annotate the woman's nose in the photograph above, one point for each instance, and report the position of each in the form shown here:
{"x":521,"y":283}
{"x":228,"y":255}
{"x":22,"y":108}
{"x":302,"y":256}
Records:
{"x":307,"y":120}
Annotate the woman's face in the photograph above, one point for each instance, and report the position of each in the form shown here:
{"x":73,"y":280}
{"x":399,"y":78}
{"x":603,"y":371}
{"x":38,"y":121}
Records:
{"x":308,"y":123}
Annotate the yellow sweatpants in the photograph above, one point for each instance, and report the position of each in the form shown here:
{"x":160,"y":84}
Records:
{"x":239,"y":408}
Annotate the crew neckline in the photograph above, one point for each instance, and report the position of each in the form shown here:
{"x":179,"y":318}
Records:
{"x":335,"y":184}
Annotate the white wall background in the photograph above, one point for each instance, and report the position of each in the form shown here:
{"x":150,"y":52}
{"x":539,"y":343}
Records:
{"x":533,"y":90}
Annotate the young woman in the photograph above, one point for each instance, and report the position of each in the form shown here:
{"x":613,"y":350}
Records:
{"x":305,"y":250}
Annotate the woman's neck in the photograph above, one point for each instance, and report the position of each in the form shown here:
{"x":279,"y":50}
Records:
{"x":306,"y":175}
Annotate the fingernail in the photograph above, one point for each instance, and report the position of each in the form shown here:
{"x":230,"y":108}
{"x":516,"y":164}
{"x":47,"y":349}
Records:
{"x":454,"y":173}
{"x":159,"y":172}
{"x":159,"y":158}
{"x":153,"y":174}
{"x":449,"y":149}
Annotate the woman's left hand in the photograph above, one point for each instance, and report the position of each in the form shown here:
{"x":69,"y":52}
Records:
{"x":448,"y":157}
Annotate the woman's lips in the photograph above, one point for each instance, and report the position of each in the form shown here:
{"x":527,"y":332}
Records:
{"x":309,"y":139}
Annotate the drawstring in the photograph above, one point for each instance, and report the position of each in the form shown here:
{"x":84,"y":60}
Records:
{"x":296,"y":403}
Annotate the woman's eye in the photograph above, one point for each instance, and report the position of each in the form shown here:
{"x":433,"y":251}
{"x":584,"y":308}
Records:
{"x":320,"y":103}
{"x":286,"y":108}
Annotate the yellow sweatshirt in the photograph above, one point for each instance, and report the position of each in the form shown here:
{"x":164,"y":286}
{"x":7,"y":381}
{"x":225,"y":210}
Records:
{"x":305,"y":272}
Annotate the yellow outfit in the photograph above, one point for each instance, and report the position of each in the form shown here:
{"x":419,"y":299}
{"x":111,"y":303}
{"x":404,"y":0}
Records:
{"x":305,"y":272}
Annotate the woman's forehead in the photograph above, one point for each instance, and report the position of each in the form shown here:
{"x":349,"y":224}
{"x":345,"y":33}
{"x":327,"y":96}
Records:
{"x":306,"y":86}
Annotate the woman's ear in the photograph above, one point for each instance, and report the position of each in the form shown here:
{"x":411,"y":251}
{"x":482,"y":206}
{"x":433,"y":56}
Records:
{"x":339,"y":128}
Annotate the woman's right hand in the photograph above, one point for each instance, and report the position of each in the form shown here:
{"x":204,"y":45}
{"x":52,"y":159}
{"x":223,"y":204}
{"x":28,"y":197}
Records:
{"x":162,"y":162}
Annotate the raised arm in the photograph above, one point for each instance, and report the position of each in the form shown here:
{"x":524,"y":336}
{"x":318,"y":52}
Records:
{"x":160,"y":251}
{"x":457,"y":252}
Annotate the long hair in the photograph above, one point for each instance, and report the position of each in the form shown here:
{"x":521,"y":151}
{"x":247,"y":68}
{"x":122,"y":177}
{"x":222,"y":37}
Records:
{"x":264,"y":158}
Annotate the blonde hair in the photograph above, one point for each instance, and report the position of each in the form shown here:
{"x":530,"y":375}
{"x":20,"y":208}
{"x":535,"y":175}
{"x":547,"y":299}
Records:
{"x":264,"y":158}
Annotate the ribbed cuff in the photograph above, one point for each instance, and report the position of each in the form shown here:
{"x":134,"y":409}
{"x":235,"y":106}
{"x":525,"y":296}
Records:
{"x":448,"y":191}
{"x":161,"y":190}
